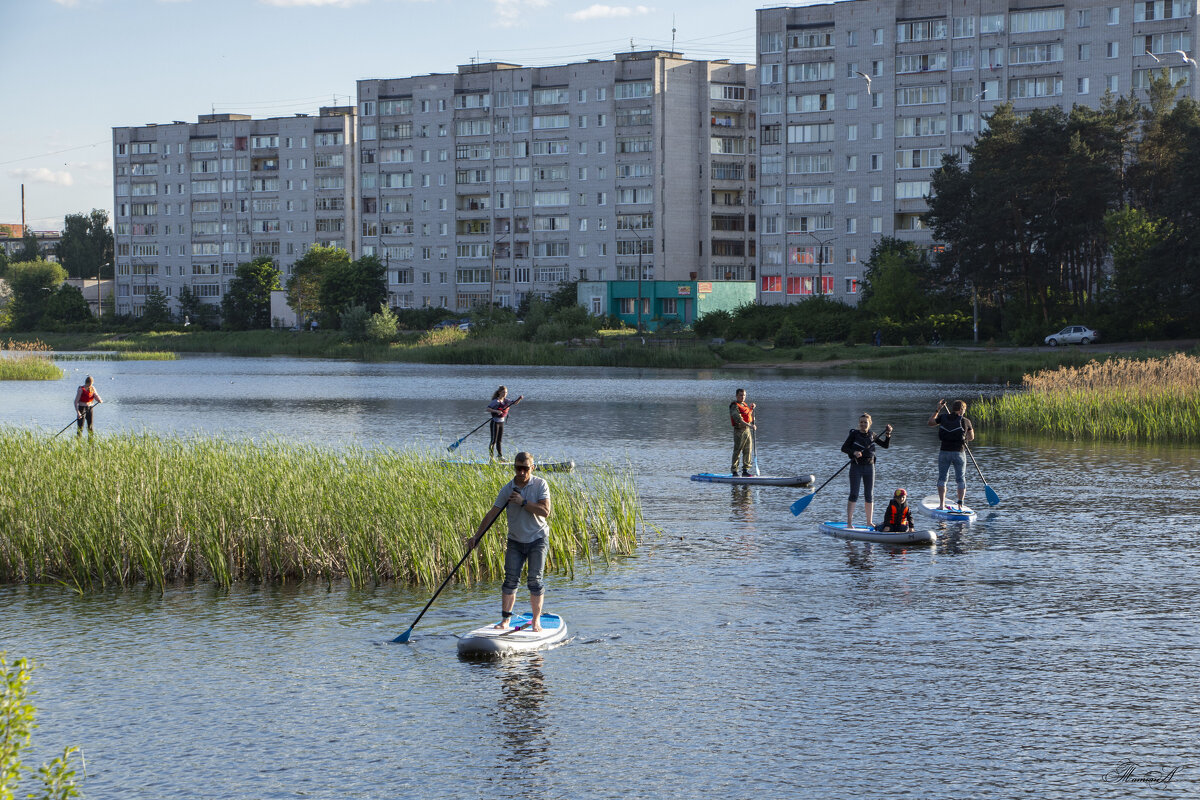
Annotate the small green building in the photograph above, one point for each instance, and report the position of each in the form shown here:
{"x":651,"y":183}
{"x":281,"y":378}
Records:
{"x":662,"y":301}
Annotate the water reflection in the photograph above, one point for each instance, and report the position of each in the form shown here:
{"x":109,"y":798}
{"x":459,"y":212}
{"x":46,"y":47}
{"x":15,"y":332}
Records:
{"x":520,"y":723}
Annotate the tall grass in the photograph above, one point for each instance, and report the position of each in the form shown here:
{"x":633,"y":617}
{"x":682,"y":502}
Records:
{"x":137,"y":508}
{"x":1152,"y":400}
{"x":28,"y":362}
{"x":129,"y":355}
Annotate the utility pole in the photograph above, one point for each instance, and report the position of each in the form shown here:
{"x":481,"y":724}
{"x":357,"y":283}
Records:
{"x":821,"y":245}
{"x":639,"y":279}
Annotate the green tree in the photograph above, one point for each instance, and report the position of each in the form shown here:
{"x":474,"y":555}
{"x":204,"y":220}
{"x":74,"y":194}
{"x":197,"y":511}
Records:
{"x":382,"y":326}
{"x":86,"y":247}
{"x":16,"y":733}
{"x":899,"y":282}
{"x":65,"y":306}
{"x":156,"y":311}
{"x":308,"y":272}
{"x":345,"y":285}
{"x":3,"y":262}
{"x":193,"y":310}
{"x":32,"y":283}
{"x":29,"y":248}
{"x":247,"y":302}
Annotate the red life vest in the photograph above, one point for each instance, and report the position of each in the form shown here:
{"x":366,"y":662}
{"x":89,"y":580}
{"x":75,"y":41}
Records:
{"x":744,"y":410}
{"x":894,"y":517}
{"x":86,"y":394}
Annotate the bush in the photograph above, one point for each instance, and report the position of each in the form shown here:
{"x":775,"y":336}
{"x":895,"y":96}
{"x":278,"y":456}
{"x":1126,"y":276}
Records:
{"x":354,"y":323}
{"x":381,"y":327}
{"x":788,"y":336}
{"x":713,"y":325}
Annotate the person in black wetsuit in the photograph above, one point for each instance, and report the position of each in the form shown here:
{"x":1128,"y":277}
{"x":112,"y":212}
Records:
{"x":860,"y":446}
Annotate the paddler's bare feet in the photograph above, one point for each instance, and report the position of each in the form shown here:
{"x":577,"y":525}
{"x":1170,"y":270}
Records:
{"x":501,"y":626}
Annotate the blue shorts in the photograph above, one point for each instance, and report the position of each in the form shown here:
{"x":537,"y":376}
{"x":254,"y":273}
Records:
{"x":517,"y":555}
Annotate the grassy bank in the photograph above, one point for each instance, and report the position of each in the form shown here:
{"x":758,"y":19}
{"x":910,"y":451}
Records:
{"x":1154,"y":400}
{"x":451,"y":346}
{"x":136,"y":508}
{"x":27,"y":360}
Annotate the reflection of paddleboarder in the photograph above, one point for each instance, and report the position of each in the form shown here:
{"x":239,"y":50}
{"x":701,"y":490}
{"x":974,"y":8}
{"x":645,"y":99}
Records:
{"x":85,"y":399}
{"x":498,"y":408}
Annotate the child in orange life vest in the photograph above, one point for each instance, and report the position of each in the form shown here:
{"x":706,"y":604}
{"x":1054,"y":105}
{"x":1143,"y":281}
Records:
{"x":898,"y":517}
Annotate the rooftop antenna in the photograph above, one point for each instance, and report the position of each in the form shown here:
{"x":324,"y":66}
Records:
{"x":631,"y":47}
{"x":672,"y":33}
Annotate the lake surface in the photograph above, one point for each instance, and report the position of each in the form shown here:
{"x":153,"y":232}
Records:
{"x":738,"y":654}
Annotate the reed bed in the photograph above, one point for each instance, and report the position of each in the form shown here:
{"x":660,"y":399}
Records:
{"x":134,"y":508}
{"x":1129,"y":400}
{"x":27,"y":361}
{"x":127,"y":355}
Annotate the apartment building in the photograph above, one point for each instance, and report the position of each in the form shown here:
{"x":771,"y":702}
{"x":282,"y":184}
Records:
{"x":500,"y":181}
{"x":860,"y":99}
{"x":194,"y":200}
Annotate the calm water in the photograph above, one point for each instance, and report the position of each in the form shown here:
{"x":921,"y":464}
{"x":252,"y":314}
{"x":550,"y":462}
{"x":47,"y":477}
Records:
{"x":739,"y":654}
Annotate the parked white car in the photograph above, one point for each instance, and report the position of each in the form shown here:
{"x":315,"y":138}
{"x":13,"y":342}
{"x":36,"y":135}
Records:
{"x":1073,"y":334}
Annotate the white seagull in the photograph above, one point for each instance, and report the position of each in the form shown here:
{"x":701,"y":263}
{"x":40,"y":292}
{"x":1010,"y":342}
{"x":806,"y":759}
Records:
{"x":1157,"y":60}
{"x":1191,"y":62}
{"x":866,"y":78}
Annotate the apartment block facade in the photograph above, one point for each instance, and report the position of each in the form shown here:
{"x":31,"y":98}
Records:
{"x":860,"y":99}
{"x":194,"y":200}
{"x":500,"y":181}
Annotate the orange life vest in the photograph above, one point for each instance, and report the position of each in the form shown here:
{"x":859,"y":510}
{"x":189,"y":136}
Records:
{"x":744,"y":410}
{"x":894,"y":517}
{"x":86,"y":395}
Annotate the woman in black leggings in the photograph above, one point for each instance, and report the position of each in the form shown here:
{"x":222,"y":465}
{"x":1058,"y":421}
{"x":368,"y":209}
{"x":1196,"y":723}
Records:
{"x":860,"y":446}
{"x":498,"y":408}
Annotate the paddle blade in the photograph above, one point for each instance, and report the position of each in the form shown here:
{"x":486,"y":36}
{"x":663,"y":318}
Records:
{"x":802,"y":504}
{"x":992,"y":497}
{"x":454,"y":446}
{"x":403,"y":638}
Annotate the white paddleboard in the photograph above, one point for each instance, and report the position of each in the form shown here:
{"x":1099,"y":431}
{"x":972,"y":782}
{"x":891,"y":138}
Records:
{"x":755,"y":480}
{"x":953,"y":512}
{"x":516,"y":638}
{"x":841,"y":531}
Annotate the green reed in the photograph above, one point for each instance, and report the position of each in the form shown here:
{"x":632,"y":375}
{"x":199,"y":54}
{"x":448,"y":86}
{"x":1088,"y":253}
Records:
{"x":135,"y":508}
{"x":127,"y":355}
{"x":28,"y":367}
{"x":1151,"y":400}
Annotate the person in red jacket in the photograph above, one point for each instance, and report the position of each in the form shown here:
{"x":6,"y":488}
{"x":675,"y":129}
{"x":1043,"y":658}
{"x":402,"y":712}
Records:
{"x":898,"y":517}
{"x":85,"y":399}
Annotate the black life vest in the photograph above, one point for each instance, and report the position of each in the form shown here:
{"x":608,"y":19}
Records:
{"x":957,"y":435}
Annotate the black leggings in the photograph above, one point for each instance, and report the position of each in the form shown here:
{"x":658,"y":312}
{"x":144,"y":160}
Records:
{"x":497,"y":434}
{"x":866,"y":474}
{"x":85,"y":413}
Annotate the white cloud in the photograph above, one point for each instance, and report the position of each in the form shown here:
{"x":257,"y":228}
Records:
{"x":67,"y":3}
{"x":43,"y":175}
{"x":598,"y":11}
{"x":510,"y":12}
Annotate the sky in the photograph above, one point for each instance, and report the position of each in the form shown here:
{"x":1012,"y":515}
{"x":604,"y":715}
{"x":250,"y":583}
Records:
{"x":72,"y":70}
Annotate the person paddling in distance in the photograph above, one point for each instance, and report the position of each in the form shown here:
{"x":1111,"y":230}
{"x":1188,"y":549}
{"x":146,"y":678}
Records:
{"x":860,"y":446}
{"x":526,"y":499}
{"x":954,"y":431}
{"x":85,"y":399}
{"x":898,"y":517}
{"x":498,"y":408}
{"x":741,"y":416}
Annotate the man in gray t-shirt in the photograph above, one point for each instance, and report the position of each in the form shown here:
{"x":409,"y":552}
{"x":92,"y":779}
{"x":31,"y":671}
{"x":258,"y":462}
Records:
{"x":526,"y":498}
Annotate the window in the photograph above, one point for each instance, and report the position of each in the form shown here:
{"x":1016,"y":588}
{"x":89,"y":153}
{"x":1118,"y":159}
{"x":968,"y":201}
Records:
{"x":876,"y":224}
{"x":851,"y":225}
{"x":852,"y":38}
{"x":1038,"y":53}
{"x":629,"y":90}
{"x":1085,"y":52}
{"x":770,"y":43}
{"x":811,"y":39}
{"x":1111,"y":50}
{"x":1050,"y":86}
{"x":851,"y":103}
{"x":1113,"y":84}
{"x":851,"y":194}
{"x":991,"y":23}
{"x":772,"y":283}
{"x":877,"y":36}
{"x":851,"y":132}
{"x":851,"y":285}
{"x":912,"y":190}
{"x":876,"y":162}
{"x":1161,"y":9}
{"x":876,"y":194}
{"x":1081,"y":86}
{"x":877,"y":130}
{"x":922,"y":31}
{"x":807,"y":103}
{"x":1049,"y":19}
{"x":964,"y":27}
{"x":921,"y":62}
{"x":921,"y":95}
{"x":1114,"y":16}
{"x":813,"y":71}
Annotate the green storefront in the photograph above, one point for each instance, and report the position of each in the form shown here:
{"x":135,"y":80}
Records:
{"x":662,"y":301}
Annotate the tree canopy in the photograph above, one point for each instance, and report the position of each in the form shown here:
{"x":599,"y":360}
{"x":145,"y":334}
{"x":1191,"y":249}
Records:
{"x":247,"y":302}
{"x":86,"y":247}
{"x":32,"y":283}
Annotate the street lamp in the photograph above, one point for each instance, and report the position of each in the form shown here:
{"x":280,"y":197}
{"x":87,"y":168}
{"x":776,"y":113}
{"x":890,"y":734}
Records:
{"x":492,"y":271}
{"x":99,"y":299}
{"x":821,"y":260}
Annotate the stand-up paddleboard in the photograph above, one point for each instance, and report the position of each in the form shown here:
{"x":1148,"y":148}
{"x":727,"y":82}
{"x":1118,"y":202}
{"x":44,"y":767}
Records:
{"x":755,"y":480}
{"x":953,"y":512}
{"x":517,"y":638}
{"x":549,"y":466}
{"x":841,"y":531}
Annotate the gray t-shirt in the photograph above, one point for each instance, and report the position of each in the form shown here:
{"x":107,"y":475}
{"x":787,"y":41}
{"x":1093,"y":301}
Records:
{"x":523,"y":525}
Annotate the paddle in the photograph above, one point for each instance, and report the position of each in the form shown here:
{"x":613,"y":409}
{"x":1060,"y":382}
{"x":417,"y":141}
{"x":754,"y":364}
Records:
{"x":992,"y":497}
{"x":403,"y":638}
{"x":454,"y":446}
{"x":803,"y":502}
{"x":75,"y":421}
